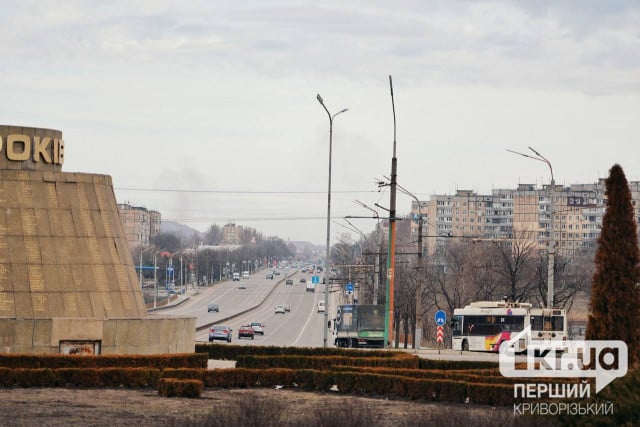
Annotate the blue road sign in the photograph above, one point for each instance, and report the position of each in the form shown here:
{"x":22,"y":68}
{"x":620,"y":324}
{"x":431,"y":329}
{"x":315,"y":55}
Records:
{"x":315,"y":279}
{"x":441,"y":318}
{"x":349,"y":287}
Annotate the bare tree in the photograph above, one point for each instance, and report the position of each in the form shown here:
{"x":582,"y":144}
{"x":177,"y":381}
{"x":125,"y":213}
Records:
{"x":514,"y":266}
{"x":571,"y":277}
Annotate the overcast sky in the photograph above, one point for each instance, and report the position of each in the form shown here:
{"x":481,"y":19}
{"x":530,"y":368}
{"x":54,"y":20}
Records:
{"x":216,"y":100}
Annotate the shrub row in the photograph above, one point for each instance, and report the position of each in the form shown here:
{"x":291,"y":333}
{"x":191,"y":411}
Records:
{"x":231,"y":352}
{"x":304,"y":379}
{"x":324,"y":362}
{"x":53,"y":361}
{"x":171,"y":387}
{"x":456,"y":364}
{"x":479,"y":376}
{"x":80,"y":377}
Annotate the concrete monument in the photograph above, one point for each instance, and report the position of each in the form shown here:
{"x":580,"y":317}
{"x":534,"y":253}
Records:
{"x":67,"y":278}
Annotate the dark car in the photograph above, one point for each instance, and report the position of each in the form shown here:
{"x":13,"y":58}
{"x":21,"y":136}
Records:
{"x":289,"y":282}
{"x":303,"y":280}
{"x":213,"y":307}
{"x":246,"y":331}
{"x":220,"y":332}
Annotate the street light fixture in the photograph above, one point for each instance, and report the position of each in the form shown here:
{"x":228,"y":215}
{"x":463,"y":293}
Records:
{"x":551,"y":248}
{"x":327,"y":254}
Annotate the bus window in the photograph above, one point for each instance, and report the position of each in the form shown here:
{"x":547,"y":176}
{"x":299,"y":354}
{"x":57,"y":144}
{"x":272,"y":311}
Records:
{"x":551,"y":323}
{"x":456,"y":325}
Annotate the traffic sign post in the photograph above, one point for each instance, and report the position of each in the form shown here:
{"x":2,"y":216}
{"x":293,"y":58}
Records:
{"x":440,"y":317}
{"x":440,"y":337}
{"x":349,"y":288}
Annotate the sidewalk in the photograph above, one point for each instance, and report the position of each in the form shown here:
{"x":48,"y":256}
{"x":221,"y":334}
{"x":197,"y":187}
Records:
{"x":191,"y":292}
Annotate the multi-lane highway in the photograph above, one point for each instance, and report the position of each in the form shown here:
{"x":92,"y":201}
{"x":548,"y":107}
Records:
{"x":302,"y":326}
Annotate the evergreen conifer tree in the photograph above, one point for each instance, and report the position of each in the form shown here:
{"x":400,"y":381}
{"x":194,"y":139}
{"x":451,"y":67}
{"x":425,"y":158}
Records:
{"x":615,"y":297}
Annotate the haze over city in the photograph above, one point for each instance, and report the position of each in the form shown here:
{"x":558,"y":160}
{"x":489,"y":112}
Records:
{"x":207,"y":111}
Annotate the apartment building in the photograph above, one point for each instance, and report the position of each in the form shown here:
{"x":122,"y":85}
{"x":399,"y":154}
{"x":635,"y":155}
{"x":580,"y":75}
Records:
{"x":140,"y":224}
{"x":231,"y":234}
{"x":523,"y":212}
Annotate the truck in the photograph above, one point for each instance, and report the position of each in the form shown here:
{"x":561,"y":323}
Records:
{"x":359,"y":326}
{"x":311,"y":287}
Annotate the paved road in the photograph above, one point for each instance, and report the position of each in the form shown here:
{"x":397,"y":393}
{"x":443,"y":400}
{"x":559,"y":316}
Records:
{"x":302,"y":326}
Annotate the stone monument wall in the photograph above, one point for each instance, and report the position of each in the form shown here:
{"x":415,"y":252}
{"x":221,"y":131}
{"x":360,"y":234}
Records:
{"x":66,"y":271}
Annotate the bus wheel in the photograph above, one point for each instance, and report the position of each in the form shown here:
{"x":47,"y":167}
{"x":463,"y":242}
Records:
{"x":465,"y":345}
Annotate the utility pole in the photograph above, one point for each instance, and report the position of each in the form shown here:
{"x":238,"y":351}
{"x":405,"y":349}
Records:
{"x":551,"y":245}
{"x":376,"y":272}
{"x":418,"y":334}
{"x":391,"y":259}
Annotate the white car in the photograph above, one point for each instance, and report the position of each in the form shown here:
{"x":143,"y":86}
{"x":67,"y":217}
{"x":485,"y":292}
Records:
{"x":258,"y":327}
{"x":280,"y":309}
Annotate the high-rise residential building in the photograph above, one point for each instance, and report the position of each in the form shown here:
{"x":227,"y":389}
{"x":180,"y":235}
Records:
{"x":231,"y":234}
{"x":523,"y":212}
{"x":140,"y":224}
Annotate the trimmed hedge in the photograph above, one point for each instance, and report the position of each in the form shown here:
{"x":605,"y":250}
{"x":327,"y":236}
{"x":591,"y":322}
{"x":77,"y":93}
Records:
{"x":80,"y":377}
{"x":364,"y":383}
{"x":456,"y":364}
{"x":171,"y":387}
{"x":232,"y":352}
{"x":53,"y":361}
{"x":491,"y":376}
{"x":324,"y":362}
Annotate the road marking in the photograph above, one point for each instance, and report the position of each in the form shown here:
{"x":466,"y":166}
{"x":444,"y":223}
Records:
{"x":311,"y":315}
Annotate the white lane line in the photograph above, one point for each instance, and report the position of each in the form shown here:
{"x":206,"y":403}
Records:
{"x":311,"y":315}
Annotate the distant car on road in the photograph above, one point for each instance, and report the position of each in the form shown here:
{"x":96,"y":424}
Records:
{"x":289,"y":282}
{"x":258,"y":327}
{"x":303,"y":280}
{"x":242,"y":286}
{"x":213,"y":307}
{"x":220,"y":332}
{"x":286,"y":307}
{"x":236,"y":277}
{"x":270,"y":276}
{"x":246,"y":331}
{"x":280,"y":309}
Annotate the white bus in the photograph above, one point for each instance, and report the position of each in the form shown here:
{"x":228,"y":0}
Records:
{"x":485,"y":325}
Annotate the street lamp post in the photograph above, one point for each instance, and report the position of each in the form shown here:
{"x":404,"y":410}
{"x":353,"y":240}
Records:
{"x":327,"y":254}
{"x":551,"y":247}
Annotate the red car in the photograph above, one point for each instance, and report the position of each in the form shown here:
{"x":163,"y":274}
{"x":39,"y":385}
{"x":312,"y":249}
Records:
{"x":246,"y":331}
